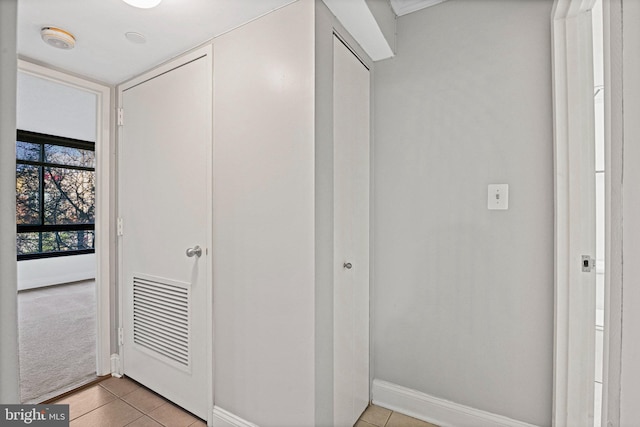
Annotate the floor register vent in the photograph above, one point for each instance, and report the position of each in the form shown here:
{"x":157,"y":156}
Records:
{"x":161,"y":319}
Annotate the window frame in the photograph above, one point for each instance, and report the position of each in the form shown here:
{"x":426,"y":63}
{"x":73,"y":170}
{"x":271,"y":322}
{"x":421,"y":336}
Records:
{"x":45,"y":139}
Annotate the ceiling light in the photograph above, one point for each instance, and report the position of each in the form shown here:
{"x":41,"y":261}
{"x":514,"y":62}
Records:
{"x":57,"y":37}
{"x":143,"y":4}
{"x":134,"y":37}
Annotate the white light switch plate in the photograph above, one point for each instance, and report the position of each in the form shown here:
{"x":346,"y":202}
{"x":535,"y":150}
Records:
{"x":498,"y":196}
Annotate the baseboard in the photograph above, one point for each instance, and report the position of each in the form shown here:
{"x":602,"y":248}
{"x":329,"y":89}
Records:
{"x":116,"y":366}
{"x":435,"y":410}
{"x":222,"y":418}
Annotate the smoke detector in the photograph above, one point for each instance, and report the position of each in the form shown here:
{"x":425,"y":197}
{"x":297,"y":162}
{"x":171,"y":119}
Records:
{"x":57,"y":37}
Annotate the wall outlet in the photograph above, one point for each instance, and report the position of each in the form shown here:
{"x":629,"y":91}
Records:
{"x":498,"y":197}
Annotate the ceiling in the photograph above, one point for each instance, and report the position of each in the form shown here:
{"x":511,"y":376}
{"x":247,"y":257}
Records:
{"x":102,"y":51}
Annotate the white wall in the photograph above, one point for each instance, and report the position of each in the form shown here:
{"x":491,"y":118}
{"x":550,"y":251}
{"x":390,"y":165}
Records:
{"x":9,"y":386}
{"x":263,"y":251}
{"x":463,"y":306}
{"x":54,"y":271}
{"x":53,"y":108}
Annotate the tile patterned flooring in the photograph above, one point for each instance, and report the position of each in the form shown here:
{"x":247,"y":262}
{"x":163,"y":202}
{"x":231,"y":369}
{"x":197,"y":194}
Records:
{"x":376,"y":416}
{"x":120,"y":402}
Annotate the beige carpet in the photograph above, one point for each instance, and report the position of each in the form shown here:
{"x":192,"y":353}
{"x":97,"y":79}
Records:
{"x":57,"y":337}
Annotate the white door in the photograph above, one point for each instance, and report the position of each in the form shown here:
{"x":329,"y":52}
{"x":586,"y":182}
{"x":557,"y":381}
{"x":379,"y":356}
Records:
{"x":351,"y":235}
{"x":165,"y":206}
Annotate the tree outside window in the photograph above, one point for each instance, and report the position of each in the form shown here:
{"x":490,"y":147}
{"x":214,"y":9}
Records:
{"x":55,"y":196}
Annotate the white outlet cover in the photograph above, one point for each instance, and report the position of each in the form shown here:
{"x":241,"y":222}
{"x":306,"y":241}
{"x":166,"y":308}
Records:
{"x":498,"y":197}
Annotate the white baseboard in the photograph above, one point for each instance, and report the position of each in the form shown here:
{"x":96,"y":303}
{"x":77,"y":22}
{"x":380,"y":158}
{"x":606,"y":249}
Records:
{"x":435,"y":410}
{"x":222,"y":418}
{"x":116,"y":367}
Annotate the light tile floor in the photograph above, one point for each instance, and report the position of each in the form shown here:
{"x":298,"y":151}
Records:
{"x":119,"y":402}
{"x":376,"y":416}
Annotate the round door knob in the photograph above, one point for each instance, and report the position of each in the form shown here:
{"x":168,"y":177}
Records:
{"x":347,"y":265}
{"x":195,"y":251}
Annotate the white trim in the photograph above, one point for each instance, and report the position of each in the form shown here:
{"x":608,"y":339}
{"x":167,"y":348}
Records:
{"x":103,"y":190}
{"x":116,"y":366}
{"x":356,"y":17}
{"x":403,"y":7}
{"x":574,"y":336}
{"x":435,"y":410}
{"x":210,"y":319}
{"x":222,"y":418}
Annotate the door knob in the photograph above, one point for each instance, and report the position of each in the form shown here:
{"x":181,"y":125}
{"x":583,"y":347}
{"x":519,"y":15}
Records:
{"x":196,"y":250}
{"x":347,"y":265}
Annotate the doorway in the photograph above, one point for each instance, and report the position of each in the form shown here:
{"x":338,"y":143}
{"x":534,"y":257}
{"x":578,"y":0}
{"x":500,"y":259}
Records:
{"x":62,"y":193}
{"x":575,"y":214}
{"x":600,"y":176}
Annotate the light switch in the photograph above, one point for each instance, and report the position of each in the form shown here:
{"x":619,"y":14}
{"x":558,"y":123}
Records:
{"x":498,"y":196}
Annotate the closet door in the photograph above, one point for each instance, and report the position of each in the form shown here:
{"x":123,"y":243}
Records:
{"x":351,"y":235}
{"x":165,"y":207}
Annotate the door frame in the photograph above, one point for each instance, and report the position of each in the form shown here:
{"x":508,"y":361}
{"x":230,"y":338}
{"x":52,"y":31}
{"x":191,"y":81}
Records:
{"x":572,"y":56}
{"x":119,"y":359}
{"x":103,"y":227}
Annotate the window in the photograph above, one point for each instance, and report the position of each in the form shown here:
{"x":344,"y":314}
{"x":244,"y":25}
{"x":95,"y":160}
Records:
{"x":55,"y":196}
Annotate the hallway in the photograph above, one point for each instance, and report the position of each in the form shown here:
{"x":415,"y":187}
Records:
{"x":120,"y":402}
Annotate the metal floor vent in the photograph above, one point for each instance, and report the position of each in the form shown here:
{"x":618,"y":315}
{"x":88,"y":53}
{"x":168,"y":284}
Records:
{"x":161,"y":320}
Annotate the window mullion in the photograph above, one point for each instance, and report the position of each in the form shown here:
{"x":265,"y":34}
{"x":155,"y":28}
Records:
{"x":41,"y":196}
{"x":41,"y":193}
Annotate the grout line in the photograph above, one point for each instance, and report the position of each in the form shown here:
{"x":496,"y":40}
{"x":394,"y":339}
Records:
{"x":133,"y":421}
{"x":388,"y":418}
{"x":121,"y":398}
{"x":386,"y":423}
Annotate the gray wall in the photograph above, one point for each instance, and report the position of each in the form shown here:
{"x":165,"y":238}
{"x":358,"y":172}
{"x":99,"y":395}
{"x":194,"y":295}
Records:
{"x":9,"y":387}
{"x":614,"y":134}
{"x":463,"y":296}
{"x":630,"y":207}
